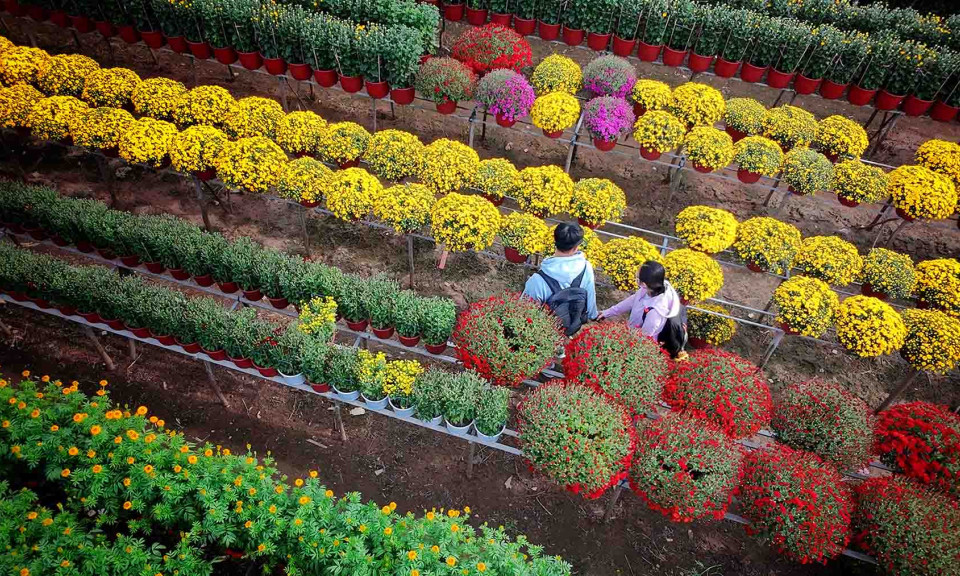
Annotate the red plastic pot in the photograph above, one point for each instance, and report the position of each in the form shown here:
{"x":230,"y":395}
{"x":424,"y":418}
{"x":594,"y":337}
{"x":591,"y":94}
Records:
{"x":904,"y":215}
{"x":242,"y":362}
{"x":888,"y":101}
{"x":698,"y":343}
{"x":153,"y":38}
{"x":228,"y":287}
{"x":638,"y":109}
{"x":377,"y":90}
{"x":138,"y":332}
{"x":435,"y":348}
{"x":131,"y":261}
{"x":622,"y":47}
{"x":753,"y":267}
{"x":702,"y":169}
{"x":673,"y":57}
{"x":524,"y":26}
{"x":189,"y":347}
{"x":250,"y":60}
{"x":206,"y":175}
{"x":604,"y":145}
{"x":698,"y":63}
{"x":408,"y":341}
{"x":165,"y":340}
{"x":105,"y":28}
{"x":598,"y":42}
{"x":553,"y":135}
{"x":788,"y":330}
{"x":81,"y":24}
{"x":360,"y":326}
{"x":267,"y":372}
{"x":59,"y":241}
{"x":306,"y":203}
{"x":200,"y":50}
{"x":859,"y":97}
{"x":279,"y":303}
{"x":548,"y":32}
{"x":106,"y":253}
{"x":155,"y":267}
{"x":476,"y":16}
{"x":943,"y":112}
{"x":215,"y":354}
{"x":326,"y":78}
{"x":830,"y":90}
{"x":91,"y":317}
{"x":254,"y":295}
{"x":179,"y":273}
{"x":779,"y":80}
{"x":38,"y":13}
{"x":735,"y":134}
{"x":514,"y":256}
{"x":351,"y":84}
{"x":747,"y":177}
{"x":383,"y":333}
{"x":725,"y":68}
{"x":178,"y":44}
{"x":225,"y":55}
{"x":847,"y":202}
{"x":648,"y":154}
{"x":448,"y":107}
{"x":453,"y":12}
{"x":36,"y":233}
{"x":320,"y":388}
{"x":587,"y":224}
{"x":804,"y":85}
{"x":128,"y":34}
{"x":501,"y":19}
{"x":649,"y":52}
{"x":67,"y":310}
{"x":60,"y":18}
{"x":505,"y":122}
{"x":867,"y":290}
{"x":275,"y":66}
{"x":84,"y":246}
{"x":13,"y":7}
{"x":300,"y":72}
{"x":751,"y":73}
{"x":913,"y":106}
{"x":402,"y":96}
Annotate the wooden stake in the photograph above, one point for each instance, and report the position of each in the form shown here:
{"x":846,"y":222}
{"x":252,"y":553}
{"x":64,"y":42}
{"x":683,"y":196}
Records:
{"x":214,"y":385}
{"x":410,"y":259}
{"x":471,"y":452}
{"x":338,"y":421}
{"x":443,"y":259}
{"x":132,"y":344}
{"x":100,"y":349}
{"x":612,"y":504}
{"x":908,"y":379}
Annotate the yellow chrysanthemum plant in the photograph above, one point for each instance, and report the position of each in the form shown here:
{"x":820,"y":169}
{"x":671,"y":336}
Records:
{"x":351,"y":193}
{"x":147,"y":141}
{"x":449,"y":166}
{"x":708,"y":149}
{"x":299,"y":133}
{"x":65,"y":74}
{"x":110,"y":87}
{"x":304,"y":180}
{"x":51,"y":118}
{"x":597,"y":200}
{"x":203,"y":105}
{"x":343,"y":143}
{"x":556,"y":73}
{"x":497,"y":178}
{"x":829,"y":258}
{"x":555,"y":112}
{"x":838,"y":137}
{"x":767,"y":245}
{"x":942,"y":157}
{"x":545,"y":190}
{"x":523,"y":234}
{"x":857,"y":183}
{"x":318,"y":317}
{"x":697,"y":104}
{"x":461,"y":222}
{"x":252,"y":164}
{"x":694,"y":275}
{"x":395,"y":155}
{"x":932,"y":343}
{"x":592,"y":247}
{"x":253,"y":116}
{"x":657,"y":132}
{"x":157,"y":98}
{"x":648,"y":95}
{"x":920,"y":193}
{"x":887,"y":274}
{"x":868,"y":327}
{"x":805,"y":306}
{"x":938,"y":285}
{"x":622,"y":258}
{"x":705,"y":229}
{"x":744,"y":117}
{"x":706,"y":327}
{"x":15,"y":105}
{"x":21,"y":65}
{"x":196,"y":150}
{"x":807,"y":171}
{"x":756,"y":157}
{"x":399,"y":380}
{"x":405,"y":207}
{"x":101,"y":129}
{"x":789,"y":126}
{"x":5,"y":44}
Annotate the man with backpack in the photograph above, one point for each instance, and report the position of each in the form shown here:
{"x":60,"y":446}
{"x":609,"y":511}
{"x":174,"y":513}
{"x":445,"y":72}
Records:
{"x":565,"y":281}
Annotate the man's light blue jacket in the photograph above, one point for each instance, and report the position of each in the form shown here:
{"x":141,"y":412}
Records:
{"x":564,"y":269}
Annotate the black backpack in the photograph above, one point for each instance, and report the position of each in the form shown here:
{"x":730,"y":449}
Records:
{"x":568,"y":304}
{"x":673,"y":335}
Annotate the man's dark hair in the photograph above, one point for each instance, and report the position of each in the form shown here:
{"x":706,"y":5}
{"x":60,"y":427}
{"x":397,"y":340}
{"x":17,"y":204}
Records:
{"x":567,"y":236}
{"x":652,"y":274}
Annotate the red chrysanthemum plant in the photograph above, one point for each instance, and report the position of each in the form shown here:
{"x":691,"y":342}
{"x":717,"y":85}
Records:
{"x":577,"y":437}
{"x":506,"y":339}
{"x":620,"y":362}
{"x":796,"y":502}
{"x":720,"y":387}
{"x":493,"y":46}
{"x":685,"y":468}
{"x":922,"y":440}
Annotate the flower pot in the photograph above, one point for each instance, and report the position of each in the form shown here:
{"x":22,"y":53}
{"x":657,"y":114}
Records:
{"x":779,"y":80}
{"x":36,"y":233}
{"x":13,"y":8}
{"x":91,"y":317}
{"x":501,"y":19}
{"x":226,"y":55}
{"x":943,"y":112}
{"x":153,"y":38}
{"x":200,"y":50}
{"x":648,"y":154}
{"x":349,"y":164}
{"x":604,"y":145}
{"x":572,"y":36}
{"x":374,"y":404}
{"x":504,"y":121}
{"x":725,"y":68}
{"x":405,"y":412}
{"x":165,"y":340}
{"x":243,"y":363}
{"x":292,"y":379}
{"x":383,"y":333}
{"x":138,"y":332}
{"x":106,"y":253}
{"x":859,"y":97}
{"x":476,"y":16}
{"x":702,"y":169}
{"x":435,"y":348}
{"x":673,"y":57}
{"x":408,"y":341}
{"x":307,"y":203}
{"x":179,"y":273}
{"x":514,"y":256}
{"x":325,"y":78}
{"x":698,"y":63}
{"x":105,"y":28}
{"x":349,"y":396}
{"x":735,"y":134}
{"x":67,"y":310}
{"x":913,"y":106}
{"x":447,"y":107}
{"x":377,"y":90}
{"x":754,"y":267}
{"x":130,"y":261}
{"x":904,"y":215}
{"x":81,"y":24}
{"x":279,"y":303}
{"x":300,"y":72}
{"x":847,"y":202}
{"x":867,"y":290}
{"x":788,"y":330}
{"x":524,"y":26}
{"x":453,"y":12}
{"x":253,"y":295}
{"x":888,"y":101}
{"x":266,"y":372}
{"x":219,"y":355}
{"x":747,"y":177}
{"x":804,"y":85}
{"x":751,"y":73}
{"x":638,"y":109}
{"x":351,"y":84}
{"x":548,"y":32}
{"x":84,"y":246}
{"x":403,"y":96}
{"x":178,"y":44}
{"x":228,"y":287}
{"x":697,"y":343}
{"x":830,"y":90}
{"x":553,"y":135}
{"x":275,"y":66}
{"x":649,"y":52}
{"x":250,"y":60}
{"x":41,"y":303}
{"x":590,"y":225}
{"x":623,"y":48}
{"x":360,"y":326}
{"x":598,"y":42}
{"x":491,"y":439}
{"x":155,"y":267}
{"x":38,"y":13}
{"x":206,"y":175}
{"x":21,"y":297}
{"x":320,"y":388}
{"x":457,"y":430}
{"x":493,"y":200}
{"x":189,"y":347}
{"x":204,"y":280}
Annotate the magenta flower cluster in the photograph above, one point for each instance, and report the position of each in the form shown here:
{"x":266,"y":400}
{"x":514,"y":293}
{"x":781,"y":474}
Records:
{"x":609,"y":76}
{"x":506,"y":93}
{"x":607,"y":118}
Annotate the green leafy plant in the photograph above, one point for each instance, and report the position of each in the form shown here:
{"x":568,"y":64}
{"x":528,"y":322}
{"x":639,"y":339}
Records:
{"x":685,"y":19}
{"x":428,"y":393}
{"x":439,"y":315}
{"x":381,"y":301}
{"x":408,"y":313}
{"x":493,"y":408}
{"x":460,"y":394}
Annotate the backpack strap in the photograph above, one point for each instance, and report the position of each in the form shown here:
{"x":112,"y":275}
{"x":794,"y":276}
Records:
{"x":551,"y":283}
{"x":576,"y":281}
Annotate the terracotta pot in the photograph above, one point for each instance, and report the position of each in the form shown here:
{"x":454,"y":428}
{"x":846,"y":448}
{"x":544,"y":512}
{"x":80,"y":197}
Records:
{"x":267,"y":372}
{"x":502,"y":19}
{"x":788,"y":330}
{"x":403,"y":96}
{"x":377,"y":90}
{"x":804,"y":85}
{"x":274,"y":66}
{"x":153,"y":38}
{"x":698,"y":63}
{"x":300,"y":72}
{"x":59,"y":241}
{"x":41,"y":303}
{"x":553,"y":135}
{"x":250,"y":60}
{"x":253,"y":295}
{"x":81,"y":24}
{"x":131,"y":261}
{"x":279,"y":303}
{"x":779,"y":80}
{"x":241,"y":362}
{"x":751,"y":73}
{"x":673,"y":57}
{"x":206,"y":175}
{"x":60,"y":18}
{"x":649,"y":52}
{"x":747,"y":177}
{"x":453,"y":12}
{"x":228,"y":287}
{"x":408,"y":341}
{"x":226,"y":55}
{"x":36,"y":233}
{"x":360,"y":326}
{"x":351,"y":84}
{"x":548,"y":32}
{"x":524,"y":26}
{"x":725,"y":68}
{"x":200,"y":50}
{"x":178,"y":44}
{"x":448,"y":107}
{"x":38,"y":13}
{"x":913,"y":106}
{"x":476,"y":16}
{"x":21,"y":297}
{"x":860,"y":97}
{"x":215,"y":354}
{"x":847,"y":202}
{"x":943,"y":112}
{"x":647,"y":154}
{"x":106,"y":253}
{"x":435,"y":348}
{"x":735,"y":134}
{"x":326,"y":78}
{"x":702,"y":169}
{"x":320,"y":388}
{"x":830,"y":90}
{"x":308,"y":203}
{"x":179,"y":273}
{"x":598,"y":42}
{"x":383,"y":333}
{"x":155,"y":267}
{"x":604,"y":145}
{"x":189,"y":347}
{"x":105,"y":28}
{"x":505,"y":122}
{"x":623,"y":48}
{"x":514,"y":256}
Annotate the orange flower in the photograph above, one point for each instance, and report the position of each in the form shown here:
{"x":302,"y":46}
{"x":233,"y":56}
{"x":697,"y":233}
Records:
{"x":127,"y":505}
{"x":65,"y":472}
{"x":94,"y":430}
{"x":97,"y":468}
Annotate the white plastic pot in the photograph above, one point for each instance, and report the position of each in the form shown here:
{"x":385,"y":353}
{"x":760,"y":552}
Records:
{"x":458,"y":430}
{"x":346,"y":395}
{"x":292,"y":380}
{"x":405,"y":412}
{"x":494,"y":438}
{"x":375,"y":404}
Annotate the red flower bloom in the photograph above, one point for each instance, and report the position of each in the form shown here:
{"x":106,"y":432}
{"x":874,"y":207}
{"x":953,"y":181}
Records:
{"x":923,"y":441}
{"x":492,"y":46}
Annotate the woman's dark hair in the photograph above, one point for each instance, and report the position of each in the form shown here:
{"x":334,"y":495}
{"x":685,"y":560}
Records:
{"x":651,"y":274}
{"x":567,"y":236}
